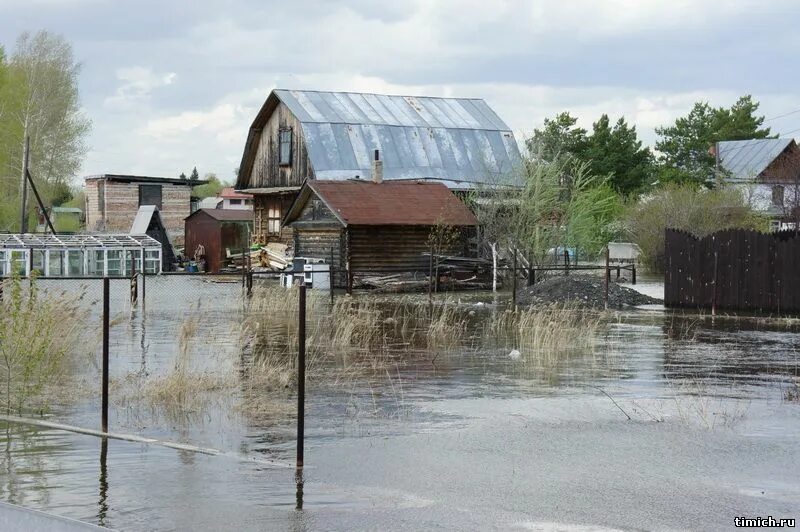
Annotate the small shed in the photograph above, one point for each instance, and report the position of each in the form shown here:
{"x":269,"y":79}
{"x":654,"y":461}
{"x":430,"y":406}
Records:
{"x":383,"y":227}
{"x":217,"y":231}
{"x":78,"y":255}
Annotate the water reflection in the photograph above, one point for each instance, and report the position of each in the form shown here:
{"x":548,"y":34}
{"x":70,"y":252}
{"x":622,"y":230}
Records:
{"x":103,"y":502}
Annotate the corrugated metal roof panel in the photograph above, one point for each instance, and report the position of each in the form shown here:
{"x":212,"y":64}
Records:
{"x":746,"y":159}
{"x":457,"y":139}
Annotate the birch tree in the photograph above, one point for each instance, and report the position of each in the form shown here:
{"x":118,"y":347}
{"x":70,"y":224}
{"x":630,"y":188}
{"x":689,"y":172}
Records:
{"x":39,"y":98}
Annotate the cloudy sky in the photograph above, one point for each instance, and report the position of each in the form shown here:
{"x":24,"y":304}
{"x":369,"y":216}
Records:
{"x":171,"y":84}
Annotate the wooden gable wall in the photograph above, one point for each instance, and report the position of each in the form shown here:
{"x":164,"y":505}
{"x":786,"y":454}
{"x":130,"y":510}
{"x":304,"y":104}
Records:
{"x":266,"y":170}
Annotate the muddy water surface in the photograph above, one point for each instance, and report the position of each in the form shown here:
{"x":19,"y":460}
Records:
{"x":672,"y":422}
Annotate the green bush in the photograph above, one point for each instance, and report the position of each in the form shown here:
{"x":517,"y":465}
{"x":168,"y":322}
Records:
{"x":698,"y":211}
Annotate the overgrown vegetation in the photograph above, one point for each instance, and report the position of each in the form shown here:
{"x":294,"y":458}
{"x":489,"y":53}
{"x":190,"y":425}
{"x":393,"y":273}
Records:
{"x":561,"y":204}
{"x":39,"y":98}
{"x":39,"y":334}
{"x":692,"y":209}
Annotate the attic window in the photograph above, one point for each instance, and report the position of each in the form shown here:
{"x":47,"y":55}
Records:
{"x":285,"y":147}
{"x":777,"y":196}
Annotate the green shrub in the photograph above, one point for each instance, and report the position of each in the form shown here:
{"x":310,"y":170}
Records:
{"x":689,"y":208}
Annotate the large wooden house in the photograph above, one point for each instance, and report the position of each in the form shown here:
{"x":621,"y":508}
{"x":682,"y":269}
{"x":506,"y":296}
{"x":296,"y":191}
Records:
{"x":311,"y":135}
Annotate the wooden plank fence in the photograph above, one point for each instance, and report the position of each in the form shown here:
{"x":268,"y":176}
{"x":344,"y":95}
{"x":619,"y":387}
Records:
{"x":733,"y":269}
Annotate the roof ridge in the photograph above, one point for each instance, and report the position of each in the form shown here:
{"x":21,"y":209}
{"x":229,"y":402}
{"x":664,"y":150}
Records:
{"x":382,"y":94}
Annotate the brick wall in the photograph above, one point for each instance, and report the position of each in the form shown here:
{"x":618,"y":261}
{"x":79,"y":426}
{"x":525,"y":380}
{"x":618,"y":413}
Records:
{"x":122,"y":204}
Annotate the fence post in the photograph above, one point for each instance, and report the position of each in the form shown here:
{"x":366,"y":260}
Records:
{"x":331,"y":276}
{"x":144,"y":282}
{"x":714,"y":293}
{"x":134,"y":280}
{"x":430,"y":283}
{"x":514,"y":280}
{"x":633,"y":273}
{"x":104,"y":403}
{"x":606,"y":279}
{"x":301,"y":374}
{"x":530,"y":270}
{"x":566,"y":261}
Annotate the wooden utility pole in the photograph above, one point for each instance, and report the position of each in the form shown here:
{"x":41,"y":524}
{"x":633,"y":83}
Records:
{"x":23,"y":225}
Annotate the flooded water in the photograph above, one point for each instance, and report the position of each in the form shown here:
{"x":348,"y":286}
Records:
{"x":671,"y":422}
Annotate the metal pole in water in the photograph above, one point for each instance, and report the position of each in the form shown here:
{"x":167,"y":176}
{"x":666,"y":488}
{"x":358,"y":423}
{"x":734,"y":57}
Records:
{"x":331,"y":276}
{"x":606,"y":279}
{"x":714,"y":293}
{"x":104,"y":419}
{"x":301,"y":374}
{"x":134,"y":280}
{"x":430,"y":283}
{"x":514,"y":281}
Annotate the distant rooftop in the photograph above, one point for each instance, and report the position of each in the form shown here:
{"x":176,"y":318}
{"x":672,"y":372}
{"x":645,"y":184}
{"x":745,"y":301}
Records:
{"x":122,"y":178}
{"x":230,"y":193}
{"x":746,"y":159}
{"x":226,"y":215}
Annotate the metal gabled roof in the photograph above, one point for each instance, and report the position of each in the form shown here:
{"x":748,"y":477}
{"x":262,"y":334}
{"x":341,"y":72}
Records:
{"x":746,"y":159}
{"x":458,"y":141}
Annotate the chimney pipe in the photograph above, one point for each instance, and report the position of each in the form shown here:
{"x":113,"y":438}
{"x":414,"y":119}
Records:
{"x":377,"y":168}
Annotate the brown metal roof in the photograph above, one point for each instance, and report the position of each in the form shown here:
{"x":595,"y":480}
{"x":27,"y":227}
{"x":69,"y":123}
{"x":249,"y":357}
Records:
{"x":393,"y":203}
{"x":230,"y":193}
{"x":226,"y":215}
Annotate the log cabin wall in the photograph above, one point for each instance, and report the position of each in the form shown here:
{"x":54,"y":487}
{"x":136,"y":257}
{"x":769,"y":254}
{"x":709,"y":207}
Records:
{"x":387,"y":249}
{"x":317,"y":233}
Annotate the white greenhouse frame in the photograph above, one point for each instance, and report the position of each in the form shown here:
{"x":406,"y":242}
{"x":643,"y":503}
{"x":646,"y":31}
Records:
{"x":102,"y":255}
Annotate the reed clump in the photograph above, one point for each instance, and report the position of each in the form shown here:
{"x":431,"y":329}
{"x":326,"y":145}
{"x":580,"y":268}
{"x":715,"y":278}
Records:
{"x":545,"y":334}
{"x":40,"y":333}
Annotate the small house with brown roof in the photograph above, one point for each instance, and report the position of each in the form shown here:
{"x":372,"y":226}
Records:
{"x":377,"y":227}
{"x":213,"y":233}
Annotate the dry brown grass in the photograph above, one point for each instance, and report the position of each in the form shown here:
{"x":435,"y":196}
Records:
{"x":42,"y":338}
{"x":546,"y":334}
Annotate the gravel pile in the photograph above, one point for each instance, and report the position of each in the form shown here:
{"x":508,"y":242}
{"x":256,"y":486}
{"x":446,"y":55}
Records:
{"x":583,"y":290}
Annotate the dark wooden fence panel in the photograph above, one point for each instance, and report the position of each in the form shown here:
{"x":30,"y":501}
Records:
{"x":740,"y":269}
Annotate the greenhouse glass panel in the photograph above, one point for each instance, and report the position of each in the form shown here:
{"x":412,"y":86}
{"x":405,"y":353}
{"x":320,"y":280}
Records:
{"x":114,"y":262}
{"x":152,"y":259}
{"x":19,"y":261}
{"x":55,"y":261}
{"x":37,"y":261}
{"x":97,"y":260}
{"x":75,"y":262}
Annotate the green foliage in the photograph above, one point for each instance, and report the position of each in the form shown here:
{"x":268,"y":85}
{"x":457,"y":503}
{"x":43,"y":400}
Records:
{"x":212,"y":188}
{"x":194,"y":175}
{"x":39,"y":98}
{"x":591,"y":215}
{"x":559,"y":139}
{"x":686,"y":145}
{"x":615,"y":151}
{"x":686,"y":207}
{"x":38,"y":333}
{"x":562,"y":203}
